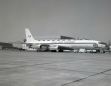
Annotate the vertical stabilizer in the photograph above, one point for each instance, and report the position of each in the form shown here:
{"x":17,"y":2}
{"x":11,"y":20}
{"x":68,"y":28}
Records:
{"x":29,"y":37}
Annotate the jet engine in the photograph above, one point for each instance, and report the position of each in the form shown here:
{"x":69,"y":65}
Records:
{"x":53,"y":48}
{"x":44,"y":47}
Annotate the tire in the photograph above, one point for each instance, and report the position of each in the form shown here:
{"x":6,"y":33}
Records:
{"x":60,"y":50}
{"x":53,"y":51}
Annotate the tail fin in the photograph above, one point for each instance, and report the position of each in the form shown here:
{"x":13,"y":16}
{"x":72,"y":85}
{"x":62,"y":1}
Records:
{"x":29,"y":37}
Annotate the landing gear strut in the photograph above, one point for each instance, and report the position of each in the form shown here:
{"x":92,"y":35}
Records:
{"x":60,"y":50}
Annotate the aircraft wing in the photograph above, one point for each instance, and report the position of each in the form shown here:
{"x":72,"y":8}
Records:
{"x":65,"y":48}
{"x":18,"y":42}
{"x":66,"y":37}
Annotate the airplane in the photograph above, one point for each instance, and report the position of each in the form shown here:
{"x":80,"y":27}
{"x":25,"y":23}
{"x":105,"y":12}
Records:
{"x":60,"y":45}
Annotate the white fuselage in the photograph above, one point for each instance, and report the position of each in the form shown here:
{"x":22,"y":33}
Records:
{"x":75,"y":44}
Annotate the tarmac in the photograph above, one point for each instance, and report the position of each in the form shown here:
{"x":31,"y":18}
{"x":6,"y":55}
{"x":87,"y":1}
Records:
{"x":20,"y":68}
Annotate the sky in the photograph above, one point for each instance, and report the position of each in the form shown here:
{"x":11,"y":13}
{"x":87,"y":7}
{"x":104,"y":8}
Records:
{"x":89,"y":19}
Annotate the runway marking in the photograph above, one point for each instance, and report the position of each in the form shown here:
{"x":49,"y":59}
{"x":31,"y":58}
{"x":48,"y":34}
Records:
{"x":78,"y":80}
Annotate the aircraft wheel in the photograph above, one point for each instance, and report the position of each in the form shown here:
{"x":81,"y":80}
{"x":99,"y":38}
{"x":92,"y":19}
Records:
{"x":102,"y":51}
{"x":97,"y":51}
{"x":53,"y":50}
{"x":60,"y":50}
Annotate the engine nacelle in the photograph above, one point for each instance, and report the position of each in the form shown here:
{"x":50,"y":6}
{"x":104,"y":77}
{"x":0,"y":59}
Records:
{"x":36,"y":46}
{"x":44,"y":47}
{"x":53,"y":47}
